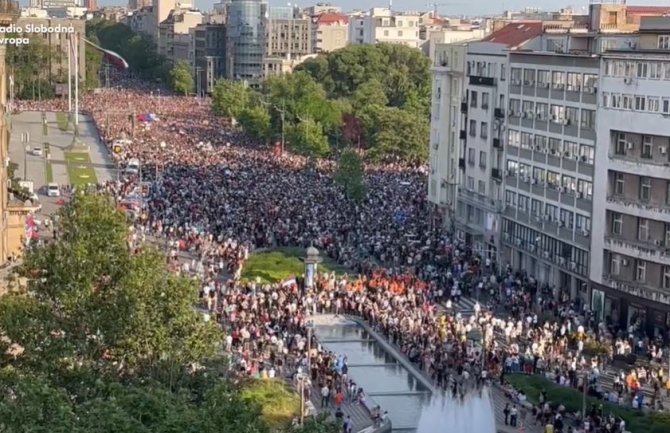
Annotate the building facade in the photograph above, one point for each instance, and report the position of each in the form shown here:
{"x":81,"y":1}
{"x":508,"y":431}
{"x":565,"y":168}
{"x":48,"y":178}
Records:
{"x":330,"y":32}
{"x":630,"y":249}
{"x":174,"y":40}
{"x":381,"y":25}
{"x":288,"y":35}
{"x":209,"y":54}
{"x":446,"y":145}
{"x":245,"y":40}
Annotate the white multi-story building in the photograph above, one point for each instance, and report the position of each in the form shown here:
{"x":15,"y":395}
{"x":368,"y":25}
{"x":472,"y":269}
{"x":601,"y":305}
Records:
{"x":381,"y":25}
{"x":630,"y":247}
{"x":549,"y":158}
{"x":446,"y":116}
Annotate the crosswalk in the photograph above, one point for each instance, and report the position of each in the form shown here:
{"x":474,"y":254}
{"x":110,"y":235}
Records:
{"x":465,"y":306}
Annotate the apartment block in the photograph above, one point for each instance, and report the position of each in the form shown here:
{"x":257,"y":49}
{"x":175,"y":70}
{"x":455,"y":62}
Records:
{"x":381,"y":25}
{"x":174,"y":40}
{"x":549,"y":167}
{"x":630,"y":249}
{"x":330,"y":32}
{"x":446,"y":145}
{"x":209,"y":55}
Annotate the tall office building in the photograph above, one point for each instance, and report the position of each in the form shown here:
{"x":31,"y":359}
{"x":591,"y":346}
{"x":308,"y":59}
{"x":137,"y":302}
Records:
{"x":245,"y":40}
{"x":630,"y":247}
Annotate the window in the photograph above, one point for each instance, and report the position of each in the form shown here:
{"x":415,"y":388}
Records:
{"x":627,"y":102}
{"x":655,"y":70}
{"x":665,"y":105}
{"x":645,"y":188}
{"x":524,"y":170}
{"x":585,"y":189}
{"x":514,"y":107}
{"x":607,"y":100}
{"x":540,"y":143}
{"x":667,"y":192}
{"x":567,"y":218}
{"x":570,"y":149}
{"x":510,"y":198}
{"x":590,"y":81}
{"x":571,"y":115}
{"x":473,"y":99}
{"x":642,"y":70}
{"x":528,"y":108}
{"x":558,"y":80}
{"x":515,"y":76}
{"x":512,"y":167}
{"x":617,"y":223}
{"x":541,"y":111}
{"x":588,"y":119}
{"x":471,"y":183}
{"x":536,"y":207}
{"x":473,"y":128}
{"x":666,"y":277}
{"x":481,"y":187}
{"x":503,"y":72}
{"x":619,"y":183}
{"x":484,"y":132}
{"x":485,"y":100}
{"x":667,"y":234}
{"x":471,"y":156}
{"x":653,"y":104}
{"x":586,"y":153}
{"x":526,"y":141}
{"x":523,"y":203}
{"x":513,"y":138}
{"x":621,"y":144}
{"x":553,"y":179}
{"x":552,"y":212}
{"x":640,"y":103}
{"x":647,"y":145}
{"x":557,"y":113}
{"x":640,"y":271}
{"x":568,"y":183}
{"x":543,"y":78}
{"x":664,"y":42}
{"x":554,"y":146}
{"x":386,"y":32}
{"x":529,"y":77}
{"x":482,"y":159}
{"x":643,"y":229}
{"x":582,"y":222}
{"x":399,"y":33}
{"x":615,"y":264}
{"x":574,"y":82}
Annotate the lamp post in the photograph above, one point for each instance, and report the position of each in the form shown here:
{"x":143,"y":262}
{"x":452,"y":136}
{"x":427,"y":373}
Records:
{"x":25,"y":138}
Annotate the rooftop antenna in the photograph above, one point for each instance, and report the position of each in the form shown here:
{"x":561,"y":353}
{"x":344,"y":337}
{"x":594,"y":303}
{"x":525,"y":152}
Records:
{"x":390,"y":5}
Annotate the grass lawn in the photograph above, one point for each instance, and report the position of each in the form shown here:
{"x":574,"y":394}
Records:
{"x":279,"y":404}
{"x":79,"y":168}
{"x":62,"y":120}
{"x":636,"y":421}
{"x":275,"y":265}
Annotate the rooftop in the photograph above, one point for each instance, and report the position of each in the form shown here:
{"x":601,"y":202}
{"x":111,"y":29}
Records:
{"x":331,"y":18}
{"x":515,"y":34}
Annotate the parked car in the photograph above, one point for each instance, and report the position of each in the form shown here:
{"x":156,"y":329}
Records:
{"x":53,"y":190}
{"x":37,"y":151}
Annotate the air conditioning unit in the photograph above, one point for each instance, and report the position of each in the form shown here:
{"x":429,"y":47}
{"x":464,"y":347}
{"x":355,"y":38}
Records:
{"x":624,"y":262}
{"x":526,"y":179}
{"x":663,"y":150}
{"x":585,"y":233}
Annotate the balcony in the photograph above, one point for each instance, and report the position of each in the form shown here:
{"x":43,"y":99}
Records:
{"x":478,"y":80}
{"x":476,"y":198}
{"x":638,"y":249}
{"x":637,"y":208}
{"x":461,"y":163}
{"x":636,"y":289}
{"x":9,"y":12}
{"x":496,"y":174}
{"x":464,"y":107}
{"x":497,"y":143}
{"x":499,"y":113}
{"x":463,"y":134}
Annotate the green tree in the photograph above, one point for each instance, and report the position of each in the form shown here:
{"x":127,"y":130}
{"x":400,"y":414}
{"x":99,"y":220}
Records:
{"x":349,"y":174}
{"x":181,"y":80}
{"x":369,"y":93}
{"x":101,"y":305}
{"x":256,"y":122}
{"x":33,"y":79}
{"x":307,"y":137}
{"x":231,"y":98}
{"x":93,"y":64}
{"x":393,"y":132}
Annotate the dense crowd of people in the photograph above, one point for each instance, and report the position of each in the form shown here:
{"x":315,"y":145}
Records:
{"x":219,"y":196}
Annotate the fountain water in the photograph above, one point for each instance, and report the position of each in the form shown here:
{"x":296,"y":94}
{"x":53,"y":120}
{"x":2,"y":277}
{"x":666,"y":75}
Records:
{"x":474,"y":413}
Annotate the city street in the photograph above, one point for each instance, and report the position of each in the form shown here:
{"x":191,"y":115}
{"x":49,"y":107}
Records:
{"x":35,"y":168}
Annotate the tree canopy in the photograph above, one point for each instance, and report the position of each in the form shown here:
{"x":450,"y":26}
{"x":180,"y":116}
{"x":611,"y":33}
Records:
{"x":339,"y":96}
{"x":180,"y":78}
{"x":29,"y":63}
{"x":107,"y":340}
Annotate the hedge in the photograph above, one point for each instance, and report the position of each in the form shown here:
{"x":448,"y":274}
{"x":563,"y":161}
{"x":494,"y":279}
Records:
{"x":636,"y":421}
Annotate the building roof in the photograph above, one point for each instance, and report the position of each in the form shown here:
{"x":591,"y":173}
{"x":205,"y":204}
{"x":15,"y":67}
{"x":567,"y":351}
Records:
{"x":515,"y":34}
{"x":647,"y":10}
{"x":331,"y":18}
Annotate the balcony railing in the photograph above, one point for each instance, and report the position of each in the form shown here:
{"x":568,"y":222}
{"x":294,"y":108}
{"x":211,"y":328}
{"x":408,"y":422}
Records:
{"x":637,"y":205}
{"x":644,"y":251}
{"x":496,"y":174}
{"x":636,"y":289}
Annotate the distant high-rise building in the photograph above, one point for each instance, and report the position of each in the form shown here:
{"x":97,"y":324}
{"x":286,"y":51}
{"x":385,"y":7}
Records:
{"x":138,"y":4}
{"x":91,"y":5}
{"x":245,"y":40}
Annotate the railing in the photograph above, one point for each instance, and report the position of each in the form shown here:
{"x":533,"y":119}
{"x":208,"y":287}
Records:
{"x":657,"y":253}
{"x":637,"y":205}
{"x":636,"y":289}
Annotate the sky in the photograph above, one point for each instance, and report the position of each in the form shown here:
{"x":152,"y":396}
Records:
{"x":455,"y":8}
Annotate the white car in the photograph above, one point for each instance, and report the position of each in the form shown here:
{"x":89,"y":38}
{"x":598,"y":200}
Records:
{"x":53,"y":190}
{"x":37,"y":151}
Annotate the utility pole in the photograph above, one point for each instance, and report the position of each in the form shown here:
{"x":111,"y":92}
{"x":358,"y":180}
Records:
{"x":25,"y":139}
{"x":69,"y":75}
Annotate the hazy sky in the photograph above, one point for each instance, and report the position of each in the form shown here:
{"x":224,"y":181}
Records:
{"x":458,"y":7}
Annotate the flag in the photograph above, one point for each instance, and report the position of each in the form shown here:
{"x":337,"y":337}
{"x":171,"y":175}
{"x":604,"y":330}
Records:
{"x":110,"y":56}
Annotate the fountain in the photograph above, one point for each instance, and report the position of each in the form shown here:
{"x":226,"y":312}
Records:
{"x":473,"y":413}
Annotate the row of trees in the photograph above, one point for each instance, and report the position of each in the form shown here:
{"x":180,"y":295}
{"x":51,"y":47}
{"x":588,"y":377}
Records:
{"x":373,"y":97}
{"x":108,"y":341}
